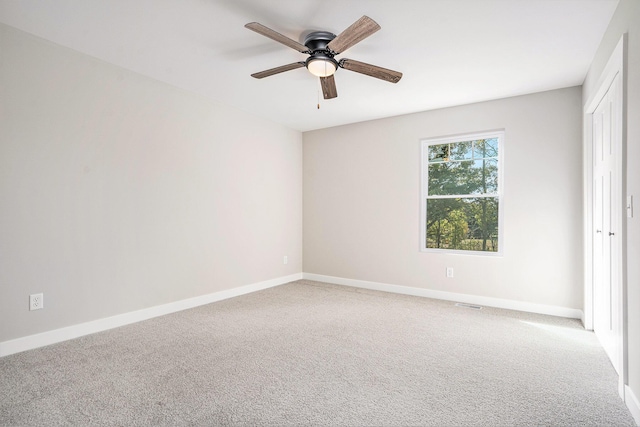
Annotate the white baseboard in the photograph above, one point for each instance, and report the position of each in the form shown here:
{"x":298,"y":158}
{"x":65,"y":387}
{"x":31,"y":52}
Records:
{"x":58,"y":335}
{"x":451,"y":296}
{"x":632,"y":403}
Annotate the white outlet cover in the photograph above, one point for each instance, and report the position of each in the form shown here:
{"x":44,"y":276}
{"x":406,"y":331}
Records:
{"x":36,"y":301}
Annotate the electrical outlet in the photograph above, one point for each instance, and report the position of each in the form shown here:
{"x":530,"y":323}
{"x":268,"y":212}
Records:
{"x":449,"y":271}
{"x":285,"y":260}
{"x":36,"y":301}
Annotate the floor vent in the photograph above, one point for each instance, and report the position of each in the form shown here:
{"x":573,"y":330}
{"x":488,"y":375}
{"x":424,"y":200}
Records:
{"x":475,"y":307}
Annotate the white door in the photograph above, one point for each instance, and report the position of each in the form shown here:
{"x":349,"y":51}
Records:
{"x":606,"y":285}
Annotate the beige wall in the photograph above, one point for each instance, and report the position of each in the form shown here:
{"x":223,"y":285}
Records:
{"x":119,"y":192}
{"x":362,"y":204}
{"x":627,"y":20}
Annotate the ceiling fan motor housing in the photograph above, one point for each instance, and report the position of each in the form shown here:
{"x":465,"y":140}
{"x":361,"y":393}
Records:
{"x":317,"y":42}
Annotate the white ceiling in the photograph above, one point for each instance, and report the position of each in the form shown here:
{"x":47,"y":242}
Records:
{"x":451,"y":52}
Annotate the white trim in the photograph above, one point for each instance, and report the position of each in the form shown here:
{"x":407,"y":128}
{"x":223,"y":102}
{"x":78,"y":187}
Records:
{"x":529,"y":307}
{"x":63,"y":334}
{"x":632,"y":403}
{"x":614,"y":66}
{"x":613,"y":69}
{"x":587,"y":207}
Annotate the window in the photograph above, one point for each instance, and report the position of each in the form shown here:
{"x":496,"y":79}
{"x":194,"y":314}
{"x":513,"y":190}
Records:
{"x":462,"y":194}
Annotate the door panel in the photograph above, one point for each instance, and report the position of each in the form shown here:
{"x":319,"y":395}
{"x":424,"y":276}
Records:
{"x":605,"y":210}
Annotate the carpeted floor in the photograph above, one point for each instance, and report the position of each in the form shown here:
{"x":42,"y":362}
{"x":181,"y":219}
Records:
{"x":309,"y":353}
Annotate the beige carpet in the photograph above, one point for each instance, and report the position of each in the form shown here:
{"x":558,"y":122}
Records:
{"x":308,"y":353}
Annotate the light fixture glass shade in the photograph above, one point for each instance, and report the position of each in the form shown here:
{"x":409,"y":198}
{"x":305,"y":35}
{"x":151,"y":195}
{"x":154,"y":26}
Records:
{"x":321,"y":67}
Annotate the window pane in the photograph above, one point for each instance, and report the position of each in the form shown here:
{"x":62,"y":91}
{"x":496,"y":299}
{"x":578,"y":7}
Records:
{"x":448,"y":178}
{"x":486,"y":172}
{"x":463,"y":177}
{"x":438,"y":153}
{"x":467,"y":224}
{"x":461,"y":150}
{"x":484,"y":148}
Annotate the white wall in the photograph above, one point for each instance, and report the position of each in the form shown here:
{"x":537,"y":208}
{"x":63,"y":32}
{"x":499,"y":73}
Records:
{"x":627,"y":20}
{"x":119,"y":192}
{"x":362,"y":204}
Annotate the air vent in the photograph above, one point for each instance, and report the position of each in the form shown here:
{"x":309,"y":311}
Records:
{"x":474,"y":307}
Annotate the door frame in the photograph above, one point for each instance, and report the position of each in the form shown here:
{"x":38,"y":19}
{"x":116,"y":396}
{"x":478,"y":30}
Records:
{"x":615,"y":67}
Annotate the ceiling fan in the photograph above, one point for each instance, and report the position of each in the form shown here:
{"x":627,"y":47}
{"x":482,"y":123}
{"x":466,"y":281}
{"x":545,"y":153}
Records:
{"x":322,"y":47}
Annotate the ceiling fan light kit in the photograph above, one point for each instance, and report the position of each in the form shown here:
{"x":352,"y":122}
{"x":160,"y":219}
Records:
{"x":322,"y":46}
{"x":322,"y":67}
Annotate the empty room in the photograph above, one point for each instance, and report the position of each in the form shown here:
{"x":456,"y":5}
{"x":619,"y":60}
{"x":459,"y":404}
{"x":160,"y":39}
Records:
{"x":314,"y":212}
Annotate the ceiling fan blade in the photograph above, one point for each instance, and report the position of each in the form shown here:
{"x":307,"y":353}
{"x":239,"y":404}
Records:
{"x":358,"y":31}
{"x":274,"y":35}
{"x":328,"y":84}
{"x":277,"y":70}
{"x":371,"y":70}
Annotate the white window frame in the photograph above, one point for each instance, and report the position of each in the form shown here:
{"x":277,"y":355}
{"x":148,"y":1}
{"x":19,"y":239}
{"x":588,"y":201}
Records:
{"x":424,"y":190}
